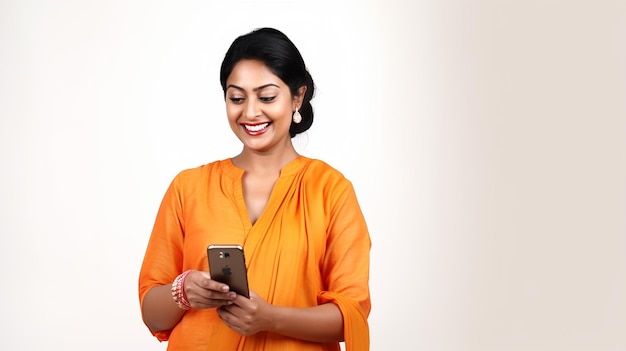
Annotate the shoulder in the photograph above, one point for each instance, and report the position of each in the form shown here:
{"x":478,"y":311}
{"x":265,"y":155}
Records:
{"x":328,"y":186}
{"x":321,"y":174}
{"x":202,"y":172}
{"x":315,"y":167}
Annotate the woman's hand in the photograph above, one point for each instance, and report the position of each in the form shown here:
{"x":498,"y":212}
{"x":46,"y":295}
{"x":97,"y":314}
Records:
{"x":203,"y":292}
{"x":247,"y":316}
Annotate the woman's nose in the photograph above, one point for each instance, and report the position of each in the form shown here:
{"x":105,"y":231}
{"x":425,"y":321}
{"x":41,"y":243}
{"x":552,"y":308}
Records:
{"x":251,"y":109}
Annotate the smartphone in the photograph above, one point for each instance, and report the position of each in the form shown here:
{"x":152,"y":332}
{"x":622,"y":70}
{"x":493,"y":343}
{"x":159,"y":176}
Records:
{"x":227,"y":264}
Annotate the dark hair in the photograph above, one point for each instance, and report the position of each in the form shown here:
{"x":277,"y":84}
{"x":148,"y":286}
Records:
{"x":281,"y":56}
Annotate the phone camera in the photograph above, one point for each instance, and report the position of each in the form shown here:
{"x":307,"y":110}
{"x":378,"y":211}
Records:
{"x":224,"y":254}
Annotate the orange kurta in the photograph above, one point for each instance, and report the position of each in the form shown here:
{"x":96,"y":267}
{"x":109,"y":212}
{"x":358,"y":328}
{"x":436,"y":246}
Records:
{"x":309,"y":246}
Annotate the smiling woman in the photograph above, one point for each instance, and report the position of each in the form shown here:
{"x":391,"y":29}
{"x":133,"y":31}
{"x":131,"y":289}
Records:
{"x":298,"y":220}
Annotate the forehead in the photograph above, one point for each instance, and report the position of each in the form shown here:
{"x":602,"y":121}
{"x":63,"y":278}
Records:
{"x":252,"y":74}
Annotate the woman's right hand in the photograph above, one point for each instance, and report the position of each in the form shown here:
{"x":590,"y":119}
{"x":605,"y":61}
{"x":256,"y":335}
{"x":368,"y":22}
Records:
{"x":204,"y":292}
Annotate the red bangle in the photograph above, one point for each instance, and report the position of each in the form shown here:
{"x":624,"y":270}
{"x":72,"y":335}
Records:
{"x":178,"y":291}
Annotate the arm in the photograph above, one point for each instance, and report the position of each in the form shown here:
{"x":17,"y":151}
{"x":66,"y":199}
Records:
{"x":163,"y":261}
{"x":160,"y":312}
{"x":323,"y":323}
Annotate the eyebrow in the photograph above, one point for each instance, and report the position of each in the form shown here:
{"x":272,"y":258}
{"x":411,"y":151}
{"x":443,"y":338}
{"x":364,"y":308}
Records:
{"x":255,"y":89}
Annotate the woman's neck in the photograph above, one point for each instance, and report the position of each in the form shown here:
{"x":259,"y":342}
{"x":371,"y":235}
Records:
{"x":264,"y":162}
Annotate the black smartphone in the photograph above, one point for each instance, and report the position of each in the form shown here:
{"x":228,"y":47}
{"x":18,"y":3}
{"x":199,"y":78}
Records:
{"x":227,"y":264}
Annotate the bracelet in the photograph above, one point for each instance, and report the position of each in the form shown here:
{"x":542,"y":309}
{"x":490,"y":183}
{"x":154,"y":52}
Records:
{"x":178,"y":291}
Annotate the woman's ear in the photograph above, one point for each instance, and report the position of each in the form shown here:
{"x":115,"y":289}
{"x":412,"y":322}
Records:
{"x":297,"y":100}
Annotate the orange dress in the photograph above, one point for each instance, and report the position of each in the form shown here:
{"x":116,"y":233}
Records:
{"x":309,"y":246}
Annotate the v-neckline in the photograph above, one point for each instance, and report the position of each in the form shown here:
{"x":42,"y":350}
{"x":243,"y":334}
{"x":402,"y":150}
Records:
{"x":272,"y":203}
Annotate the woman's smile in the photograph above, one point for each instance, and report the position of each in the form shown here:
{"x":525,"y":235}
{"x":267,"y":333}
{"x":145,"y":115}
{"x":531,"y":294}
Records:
{"x":255,"y":129}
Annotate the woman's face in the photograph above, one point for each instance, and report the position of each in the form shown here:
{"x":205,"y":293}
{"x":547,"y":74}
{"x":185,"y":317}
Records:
{"x":259,"y":106}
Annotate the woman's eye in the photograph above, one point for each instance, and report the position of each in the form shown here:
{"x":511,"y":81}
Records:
{"x":267,"y":98}
{"x":237,"y":100}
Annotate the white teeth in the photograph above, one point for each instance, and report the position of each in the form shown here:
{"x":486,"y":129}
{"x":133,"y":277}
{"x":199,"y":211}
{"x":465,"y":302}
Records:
{"x":256,"y":128}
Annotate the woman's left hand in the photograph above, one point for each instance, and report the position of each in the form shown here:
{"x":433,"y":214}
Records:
{"x":247,"y":316}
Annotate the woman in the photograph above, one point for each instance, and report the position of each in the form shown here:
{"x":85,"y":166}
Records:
{"x":304,"y":236}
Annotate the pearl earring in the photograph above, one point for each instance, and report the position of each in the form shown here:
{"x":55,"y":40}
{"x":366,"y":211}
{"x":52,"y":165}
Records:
{"x":297,"y":117}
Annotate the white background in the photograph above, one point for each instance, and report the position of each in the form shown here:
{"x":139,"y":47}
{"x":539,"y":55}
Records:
{"x":486,"y":141}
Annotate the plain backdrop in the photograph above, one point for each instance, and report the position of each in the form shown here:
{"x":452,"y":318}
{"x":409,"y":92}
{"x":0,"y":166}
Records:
{"x":486,"y":141}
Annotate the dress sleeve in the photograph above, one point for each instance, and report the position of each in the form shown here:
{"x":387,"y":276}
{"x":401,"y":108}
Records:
{"x":163,"y":259}
{"x":346,"y":266}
